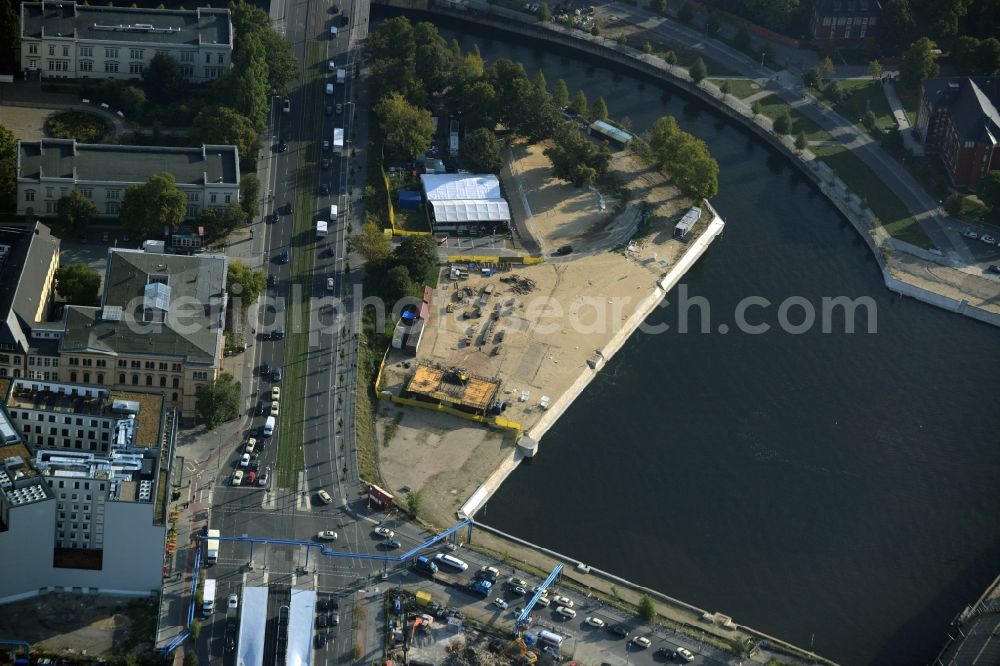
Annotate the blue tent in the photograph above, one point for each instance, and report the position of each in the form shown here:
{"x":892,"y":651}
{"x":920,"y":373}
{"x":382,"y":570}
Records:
{"x":409,"y":200}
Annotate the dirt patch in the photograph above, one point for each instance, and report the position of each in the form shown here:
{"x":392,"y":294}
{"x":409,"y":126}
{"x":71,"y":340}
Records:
{"x":91,"y":625}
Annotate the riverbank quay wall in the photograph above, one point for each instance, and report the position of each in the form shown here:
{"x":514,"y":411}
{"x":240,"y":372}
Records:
{"x":849,"y":204}
{"x":696,"y":624}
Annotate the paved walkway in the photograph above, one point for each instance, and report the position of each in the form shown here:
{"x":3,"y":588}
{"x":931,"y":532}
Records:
{"x":902,"y":120}
{"x":787,"y":83}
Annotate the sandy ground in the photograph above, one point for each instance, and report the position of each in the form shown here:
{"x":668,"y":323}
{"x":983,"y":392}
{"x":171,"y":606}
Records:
{"x":543,"y":337}
{"x":83,"y":624}
{"x":26,"y":124}
{"x":980,"y":291}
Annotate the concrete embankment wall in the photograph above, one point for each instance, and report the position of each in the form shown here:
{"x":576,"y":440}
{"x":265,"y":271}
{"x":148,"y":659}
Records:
{"x":585,"y":577}
{"x":849,"y":204}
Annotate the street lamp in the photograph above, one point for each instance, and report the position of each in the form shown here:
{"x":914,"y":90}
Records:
{"x":762,"y":58}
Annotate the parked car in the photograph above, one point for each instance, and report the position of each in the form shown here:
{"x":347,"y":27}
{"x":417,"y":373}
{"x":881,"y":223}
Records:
{"x":564,"y":250}
{"x":320,"y":640}
{"x":279,"y":334}
{"x":275,"y":393}
{"x":328,"y":110}
{"x":274,"y":408}
{"x":390,"y":544}
{"x":334,"y":619}
{"x":324,"y":191}
{"x":262,"y":480}
{"x":327,"y":535}
{"x":566,"y":613}
{"x":516,"y":582}
{"x":489,"y":573}
{"x":595,"y":622}
{"x":234,"y":601}
{"x":321,"y":621}
{"x":271,"y":281}
{"x":251,"y":445}
{"x":245,"y":460}
{"x":969,"y":233}
{"x":518,"y":591}
{"x":384,"y":532}
{"x":619,"y":630}
{"x":500,"y":603}
{"x":340,"y":108}
{"x":989,"y":240}
{"x":282,"y":147}
{"x":994,"y":268}
{"x":562,"y":601}
{"x":641,"y":642}
{"x":252,"y":474}
{"x":683,"y":654}
{"x":286,"y":105}
{"x":276,"y":375}
{"x":284,"y":257}
{"x":238,"y":477}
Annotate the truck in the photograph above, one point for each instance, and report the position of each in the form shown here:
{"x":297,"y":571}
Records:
{"x":212,"y":549}
{"x":341,"y":75}
{"x":338,"y":140}
{"x":425,"y":565}
{"x":482,"y":586}
{"x":208,"y":598}
{"x":320,"y":228}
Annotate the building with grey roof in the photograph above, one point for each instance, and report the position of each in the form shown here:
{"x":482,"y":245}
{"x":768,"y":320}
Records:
{"x":160,"y":326}
{"x":465,"y":202}
{"x":49,"y":169}
{"x":92,"y":517}
{"x":844,"y":20}
{"x":63,"y":39}
{"x":28,"y":340}
{"x":958,"y":118}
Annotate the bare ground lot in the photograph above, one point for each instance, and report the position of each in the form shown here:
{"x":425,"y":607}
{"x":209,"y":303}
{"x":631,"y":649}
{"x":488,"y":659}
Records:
{"x":81,"y":624}
{"x":544,"y":335}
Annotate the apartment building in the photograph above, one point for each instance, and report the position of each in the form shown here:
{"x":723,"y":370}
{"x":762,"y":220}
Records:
{"x":88,"y":517}
{"x":49,"y":169}
{"x":29,"y":338}
{"x":844,"y":20}
{"x":159,"y":326}
{"x":64,"y":39}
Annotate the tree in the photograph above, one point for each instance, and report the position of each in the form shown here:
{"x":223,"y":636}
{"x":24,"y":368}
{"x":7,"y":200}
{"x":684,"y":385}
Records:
{"x":868,"y":120}
{"x":397,"y":285}
{"x":670,"y":58}
{"x":989,"y":190}
{"x":220,"y":222}
{"x":162,"y":80}
{"x":725,"y":89}
{"x":251,"y":98}
{"x":963,"y":54}
{"x":413,"y":503}
{"x":595,"y":30}
{"x":579,"y":105}
{"x":756,"y":107}
{"x":419,"y":255}
{"x":712,"y":24}
{"x":875,"y":70}
{"x":219,"y":124}
{"x":698,"y":70}
{"x":811,"y":77}
{"x":783,"y":123}
{"x":544,"y":13}
{"x":647,"y":609}
{"x":560,"y":94}
{"x":576,"y":159}
{"x":480,"y":152}
{"x":371,"y":243}
{"x":75,"y":212}
{"x":600,"y":110}
{"x":10,"y":33}
{"x":541,"y":85}
{"x":408,"y":129}
{"x":801,"y":142}
{"x":897,"y":26}
{"x":742,"y":40}
{"x":767,"y":52}
{"x":647,"y":47}
{"x":244,"y":283}
{"x":147,"y":209}
{"x":658,"y":6}
{"x":79,"y":284}
{"x":282,"y":65}
{"x":195,"y":629}
{"x":249,"y":193}
{"x":988,"y":56}
{"x":919,"y":62}
{"x":825,"y":69}
{"x":686,"y":13}
{"x":191,"y":658}
{"x":218,"y":400}
{"x":434,"y":66}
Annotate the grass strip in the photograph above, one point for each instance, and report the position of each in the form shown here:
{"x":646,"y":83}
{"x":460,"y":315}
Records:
{"x":773,"y":106}
{"x":303,"y":244}
{"x":739,"y":88}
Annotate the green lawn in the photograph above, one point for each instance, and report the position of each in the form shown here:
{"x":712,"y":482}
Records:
{"x":773,"y":106}
{"x":864,"y":182}
{"x":739,"y":88}
{"x":290,"y":422}
{"x":865,"y":94}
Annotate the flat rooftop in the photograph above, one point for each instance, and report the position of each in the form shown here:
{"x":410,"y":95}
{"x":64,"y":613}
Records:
{"x":120,"y":24}
{"x":460,"y":186}
{"x":106,"y":163}
{"x":148,"y":420}
{"x":453,"y":385}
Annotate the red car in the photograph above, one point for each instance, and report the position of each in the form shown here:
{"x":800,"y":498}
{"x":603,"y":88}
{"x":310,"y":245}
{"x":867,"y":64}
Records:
{"x":251,"y":478}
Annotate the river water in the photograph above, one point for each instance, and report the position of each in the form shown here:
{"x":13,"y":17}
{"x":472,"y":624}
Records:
{"x":832,"y":489}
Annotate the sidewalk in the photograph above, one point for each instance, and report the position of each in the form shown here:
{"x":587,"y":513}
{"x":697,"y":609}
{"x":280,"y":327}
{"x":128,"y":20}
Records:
{"x":902,"y":120}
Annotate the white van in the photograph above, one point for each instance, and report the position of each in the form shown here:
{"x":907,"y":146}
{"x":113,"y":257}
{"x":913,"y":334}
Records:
{"x":333,"y":213}
{"x":269,"y":426}
{"x":451,"y":561}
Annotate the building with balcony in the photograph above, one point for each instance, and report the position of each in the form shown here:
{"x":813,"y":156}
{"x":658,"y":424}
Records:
{"x":49,"y":169}
{"x":64,"y":39}
{"x":87,"y":516}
